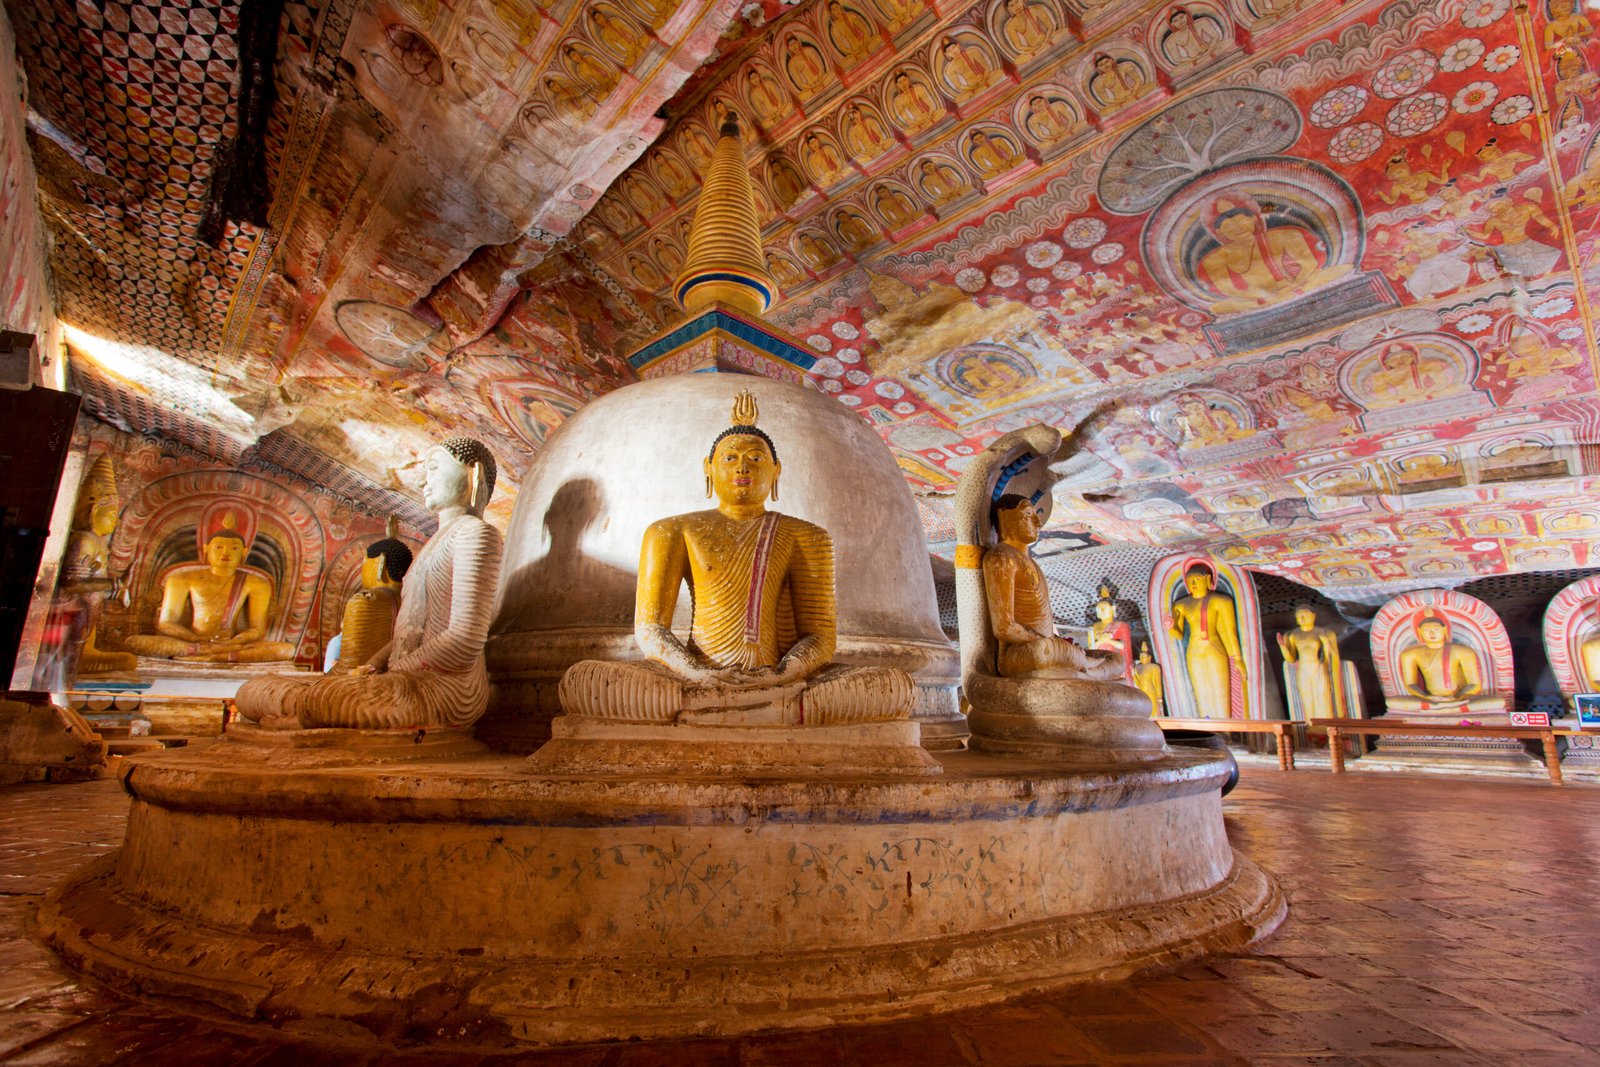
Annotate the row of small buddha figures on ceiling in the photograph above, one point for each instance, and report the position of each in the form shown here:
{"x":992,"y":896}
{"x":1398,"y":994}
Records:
{"x":960,"y":65}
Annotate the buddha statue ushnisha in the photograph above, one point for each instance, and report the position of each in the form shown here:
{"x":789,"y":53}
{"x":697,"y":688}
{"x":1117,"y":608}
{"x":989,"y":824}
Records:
{"x":431,"y":675}
{"x":216,"y":611}
{"x":370,"y":612}
{"x":763,"y":631}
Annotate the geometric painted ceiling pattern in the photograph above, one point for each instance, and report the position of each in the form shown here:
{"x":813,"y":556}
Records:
{"x":1311,"y":282}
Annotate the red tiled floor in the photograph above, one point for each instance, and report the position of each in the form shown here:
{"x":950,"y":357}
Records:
{"x":1432,"y":921}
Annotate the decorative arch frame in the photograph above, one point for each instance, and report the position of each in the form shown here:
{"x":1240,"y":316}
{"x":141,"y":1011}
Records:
{"x":172,"y":502}
{"x":1472,"y":623}
{"x":1166,"y":589}
{"x":1569,"y":621}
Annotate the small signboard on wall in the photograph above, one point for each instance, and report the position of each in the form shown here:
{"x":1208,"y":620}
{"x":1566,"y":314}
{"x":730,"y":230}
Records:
{"x":1588,"y":705}
{"x":1530,"y":718}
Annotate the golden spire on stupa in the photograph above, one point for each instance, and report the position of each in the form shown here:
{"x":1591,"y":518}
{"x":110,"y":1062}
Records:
{"x":724,"y":264}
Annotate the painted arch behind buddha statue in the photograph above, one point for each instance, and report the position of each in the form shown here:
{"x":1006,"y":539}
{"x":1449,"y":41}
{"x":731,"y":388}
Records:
{"x":1166,"y":589}
{"x":1569,"y":621}
{"x":157,"y":531}
{"x":1472,"y":623}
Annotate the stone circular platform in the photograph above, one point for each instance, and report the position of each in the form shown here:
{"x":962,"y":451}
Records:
{"x":460,"y":898}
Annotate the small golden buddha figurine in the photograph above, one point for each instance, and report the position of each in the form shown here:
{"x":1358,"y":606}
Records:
{"x":86,"y":568}
{"x":215,"y":611}
{"x":1312,"y":653}
{"x":1019,"y":606}
{"x":1212,"y":624}
{"x":1589,"y":656}
{"x":432,"y":674}
{"x":1147,"y":677}
{"x":1107,"y":632}
{"x":763,"y":630}
{"x":1440,"y":674}
{"x":370,"y":612}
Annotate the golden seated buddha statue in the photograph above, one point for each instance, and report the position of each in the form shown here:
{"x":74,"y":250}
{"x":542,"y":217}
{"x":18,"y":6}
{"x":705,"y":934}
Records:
{"x":370,"y":612}
{"x":215,"y":611}
{"x":762,"y":637}
{"x":1441,"y":675}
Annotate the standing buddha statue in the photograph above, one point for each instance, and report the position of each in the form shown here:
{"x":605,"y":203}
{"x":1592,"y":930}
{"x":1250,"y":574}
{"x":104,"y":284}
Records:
{"x":1210,"y":622}
{"x":370,"y":612}
{"x":86,"y":568}
{"x":1311,"y":653}
{"x":1147,"y":676}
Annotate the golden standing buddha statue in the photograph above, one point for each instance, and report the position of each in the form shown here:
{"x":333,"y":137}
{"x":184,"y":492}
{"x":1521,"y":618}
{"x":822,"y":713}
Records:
{"x":215,"y":611}
{"x":1312,"y":653}
{"x":1147,"y":677}
{"x":763,"y":630}
{"x":86,"y":568}
{"x":1211,"y":622}
{"x":1019,"y":606}
{"x":370,"y":612}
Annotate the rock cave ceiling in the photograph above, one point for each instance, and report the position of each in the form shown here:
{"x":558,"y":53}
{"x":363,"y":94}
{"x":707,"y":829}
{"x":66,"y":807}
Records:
{"x":1310,"y":279}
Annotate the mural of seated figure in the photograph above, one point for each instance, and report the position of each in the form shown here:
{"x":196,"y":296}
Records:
{"x":1031,"y":691}
{"x":215,"y":611}
{"x":431,"y":674}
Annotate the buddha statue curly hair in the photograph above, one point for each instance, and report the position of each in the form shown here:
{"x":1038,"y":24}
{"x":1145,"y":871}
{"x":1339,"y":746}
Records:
{"x":470,"y":452}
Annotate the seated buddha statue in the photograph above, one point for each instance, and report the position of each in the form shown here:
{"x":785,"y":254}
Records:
{"x":1439,"y":674}
{"x":1019,"y":606}
{"x":431,"y":674}
{"x":1109,"y":633}
{"x":215,"y":611}
{"x":86,"y":567}
{"x":1589,"y":657}
{"x":370,"y":612}
{"x":763,"y":627}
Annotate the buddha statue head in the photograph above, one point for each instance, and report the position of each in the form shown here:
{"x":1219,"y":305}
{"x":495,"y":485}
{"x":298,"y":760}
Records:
{"x":224,"y":547}
{"x":460,"y":474}
{"x":1105,"y":609}
{"x":1016,"y":520}
{"x":1144,"y":652}
{"x":742,"y":469}
{"x":387,"y":560}
{"x":1198,"y":579}
{"x":1432,"y":628}
{"x":1305,"y":616}
{"x":97,"y":500}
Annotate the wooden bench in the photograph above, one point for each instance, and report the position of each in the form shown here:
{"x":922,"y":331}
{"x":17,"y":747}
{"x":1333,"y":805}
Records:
{"x":1278,"y":728}
{"x":1546,"y":735}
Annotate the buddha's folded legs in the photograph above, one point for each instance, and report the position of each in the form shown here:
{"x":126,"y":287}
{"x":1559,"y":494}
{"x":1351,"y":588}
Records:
{"x":397,"y":700}
{"x":841,"y":694}
{"x":259,"y":652}
{"x":1056,"y":657}
{"x":628,"y":692}
{"x":1440,"y":704}
{"x":160,"y":646}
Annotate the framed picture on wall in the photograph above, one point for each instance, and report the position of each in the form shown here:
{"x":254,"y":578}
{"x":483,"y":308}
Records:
{"x":1588,"y":705}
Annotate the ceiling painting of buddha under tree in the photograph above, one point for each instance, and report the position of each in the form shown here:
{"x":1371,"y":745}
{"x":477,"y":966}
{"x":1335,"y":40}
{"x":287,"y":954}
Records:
{"x":1313,"y":280}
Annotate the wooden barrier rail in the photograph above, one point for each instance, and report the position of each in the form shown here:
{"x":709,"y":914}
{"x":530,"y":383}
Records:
{"x":1546,"y":735}
{"x":1279,"y":728}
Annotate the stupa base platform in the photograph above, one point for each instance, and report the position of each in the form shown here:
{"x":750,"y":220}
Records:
{"x":465,"y":901}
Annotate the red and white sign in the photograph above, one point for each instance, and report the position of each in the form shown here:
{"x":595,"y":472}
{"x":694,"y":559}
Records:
{"x":1530,"y":718}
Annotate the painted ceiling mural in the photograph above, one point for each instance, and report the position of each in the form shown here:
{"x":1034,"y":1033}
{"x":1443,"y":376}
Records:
{"x":1311,"y":280}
